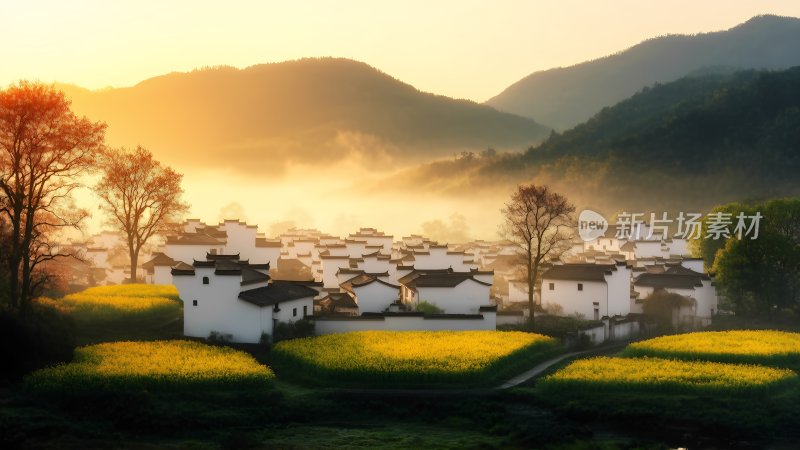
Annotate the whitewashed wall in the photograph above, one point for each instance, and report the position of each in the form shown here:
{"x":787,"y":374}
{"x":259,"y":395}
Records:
{"x":344,"y":325}
{"x":573,"y":301}
{"x":465,"y":298}
{"x":219,"y":308}
{"x":375,"y":297}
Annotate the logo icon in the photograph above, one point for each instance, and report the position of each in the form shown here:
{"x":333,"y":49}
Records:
{"x":591,"y":225}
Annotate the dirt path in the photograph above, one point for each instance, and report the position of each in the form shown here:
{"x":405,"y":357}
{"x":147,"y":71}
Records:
{"x":544,"y":365}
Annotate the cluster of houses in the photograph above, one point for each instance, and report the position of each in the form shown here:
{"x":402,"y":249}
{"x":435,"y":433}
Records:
{"x":238,"y":283}
{"x":611,"y":276}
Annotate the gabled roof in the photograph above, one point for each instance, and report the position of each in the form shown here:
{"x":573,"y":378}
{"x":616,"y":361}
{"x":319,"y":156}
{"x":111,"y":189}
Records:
{"x":215,"y":256}
{"x":159,"y":259}
{"x":680,"y":270}
{"x":263,"y":242}
{"x":336,"y":300}
{"x":579,"y":272}
{"x":194,"y":239}
{"x":668,"y":280}
{"x":365,"y":279}
{"x":276,"y":292}
{"x":252,"y":276}
{"x":182,"y":269}
{"x":443,"y":280}
{"x":437,"y":278}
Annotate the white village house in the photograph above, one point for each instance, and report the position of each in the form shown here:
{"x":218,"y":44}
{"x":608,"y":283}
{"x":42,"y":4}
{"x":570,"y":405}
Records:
{"x":592,"y":291}
{"x":237,"y":299}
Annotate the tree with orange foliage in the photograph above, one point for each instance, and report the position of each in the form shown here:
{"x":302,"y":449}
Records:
{"x":141,"y":197}
{"x":44,"y":150}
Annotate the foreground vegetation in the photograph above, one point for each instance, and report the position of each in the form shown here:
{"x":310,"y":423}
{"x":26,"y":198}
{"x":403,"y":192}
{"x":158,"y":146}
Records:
{"x":774,"y":348}
{"x":411,"y":357}
{"x":159,"y":365}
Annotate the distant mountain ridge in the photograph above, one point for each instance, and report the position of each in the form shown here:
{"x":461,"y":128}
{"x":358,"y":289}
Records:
{"x":684,"y":145}
{"x":565,"y":97}
{"x":310,"y":111}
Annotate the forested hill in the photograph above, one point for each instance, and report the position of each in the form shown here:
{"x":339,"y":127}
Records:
{"x":314,"y":111}
{"x":565,"y":97}
{"x":696,"y":124}
{"x":689,"y":144}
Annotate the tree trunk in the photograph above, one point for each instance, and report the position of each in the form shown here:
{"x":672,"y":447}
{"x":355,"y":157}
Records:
{"x":134,"y":262}
{"x":531,"y":288}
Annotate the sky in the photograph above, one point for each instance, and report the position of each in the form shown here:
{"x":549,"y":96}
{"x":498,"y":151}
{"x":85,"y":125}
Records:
{"x":462,"y":49}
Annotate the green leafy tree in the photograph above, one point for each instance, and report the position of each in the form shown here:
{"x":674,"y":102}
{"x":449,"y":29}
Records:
{"x":763,"y":275}
{"x":663,"y":307}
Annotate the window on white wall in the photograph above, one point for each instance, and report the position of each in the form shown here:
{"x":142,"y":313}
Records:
{"x":552,"y":286}
{"x":205,"y":280}
{"x":194,"y":302}
{"x":294,"y":312}
{"x":580,"y":286}
{"x":305,"y":310}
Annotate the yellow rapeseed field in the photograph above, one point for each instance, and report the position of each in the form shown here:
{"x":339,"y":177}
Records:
{"x":134,"y":290}
{"x":409,"y":356}
{"x":739,"y":346}
{"x":603,"y":374}
{"x":124,"y":302}
{"x":120,"y":366}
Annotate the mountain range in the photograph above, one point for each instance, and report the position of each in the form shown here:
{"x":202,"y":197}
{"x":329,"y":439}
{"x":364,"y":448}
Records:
{"x":691,"y":143}
{"x":565,"y":97}
{"x":307,"y":111}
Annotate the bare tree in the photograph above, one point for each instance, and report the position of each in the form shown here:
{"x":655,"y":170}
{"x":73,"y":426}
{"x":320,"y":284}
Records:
{"x":539,"y":222}
{"x":44,"y":150}
{"x":141,"y":197}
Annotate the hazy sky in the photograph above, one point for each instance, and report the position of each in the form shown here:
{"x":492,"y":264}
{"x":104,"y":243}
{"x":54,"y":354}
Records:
{"x":465,"y":49}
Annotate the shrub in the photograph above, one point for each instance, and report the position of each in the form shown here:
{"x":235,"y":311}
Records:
{"x":215,"y":337}
{"x":42,"y":337}
{"x":428,"y":308}
{"x":285,"y":331}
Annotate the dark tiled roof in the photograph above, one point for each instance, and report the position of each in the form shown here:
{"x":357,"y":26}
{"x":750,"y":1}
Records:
{"x":276,"y":292}
{"x":182,"y":269}
{"x":252,"y":276}
{"x":159,"y":259}
{"x":443,"y":280}
{"x":365,"y":279}
{"x":668,"y":280}
{"x":263,"y":242}
{"x":336,"y":300}
{"x":680,"y":270}
{"x":194,"y":239}
{"x":214,"y":257}
{"x":578,"y":272}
